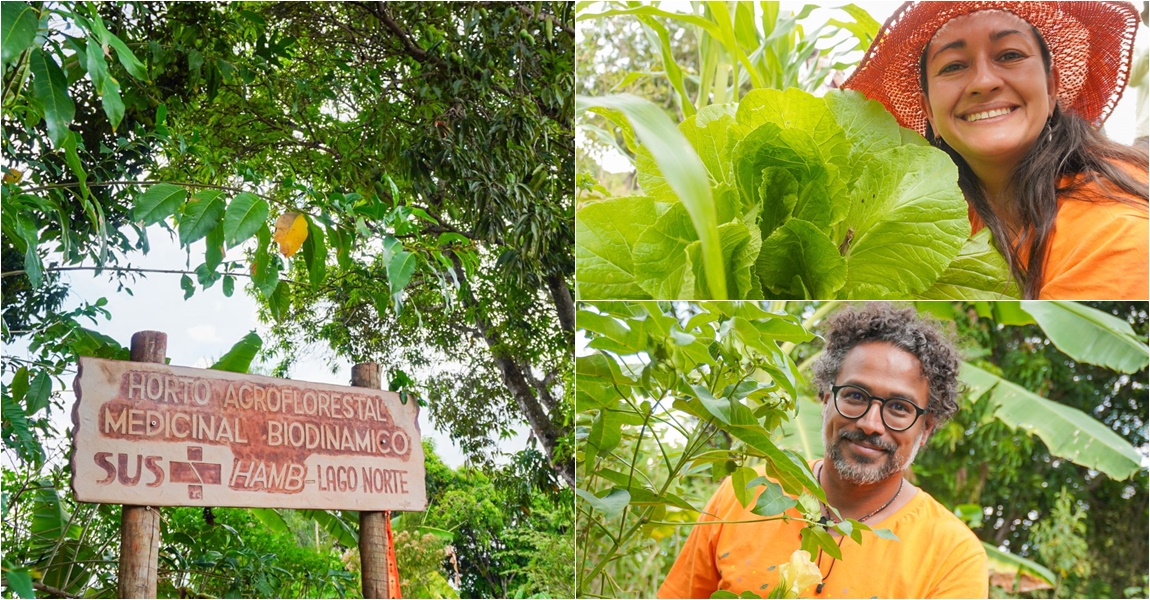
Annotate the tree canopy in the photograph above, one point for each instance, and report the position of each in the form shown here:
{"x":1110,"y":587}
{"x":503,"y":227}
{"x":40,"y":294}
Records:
{"x":392,"y":180}
{"x":423,"y":151}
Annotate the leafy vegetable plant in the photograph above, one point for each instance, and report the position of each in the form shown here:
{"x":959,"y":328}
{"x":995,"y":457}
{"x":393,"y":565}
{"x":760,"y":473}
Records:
{"x":808,"y":198}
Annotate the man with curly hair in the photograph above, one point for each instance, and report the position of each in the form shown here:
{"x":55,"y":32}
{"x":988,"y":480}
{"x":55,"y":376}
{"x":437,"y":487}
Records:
{"x":887,"y":379}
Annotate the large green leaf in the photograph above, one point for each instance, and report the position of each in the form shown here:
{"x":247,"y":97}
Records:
{"x":400,"y":269}
{"x":239,"y":358}
{"x":707,"y":131}
{"x":610,"y":504}
{"x":798,"y":261}
{"x":907,"y":221}
{"x":795,"y":109}
{"x":201,"y":215}
{"x":158,"y":203}
{"x":979,"y":272}
{"x":661,"y":262}
{"x":335,"y":525}
{"x":19,"y":581}
{"x":50,"y":87}
{"x":18,"y":29}
{"x":684,"y":172}
{"x":1067,"y":432}
{"x":243,"y":217}
{"x":605,"y":235}
{"x":1091,"y":336}
{"x":793,"y":474}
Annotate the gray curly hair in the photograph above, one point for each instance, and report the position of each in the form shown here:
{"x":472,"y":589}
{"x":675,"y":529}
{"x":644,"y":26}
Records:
{"x":923,"y":337}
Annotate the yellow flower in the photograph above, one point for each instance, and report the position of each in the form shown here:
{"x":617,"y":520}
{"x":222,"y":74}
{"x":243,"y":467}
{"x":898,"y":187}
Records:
{"x":798,"y":574}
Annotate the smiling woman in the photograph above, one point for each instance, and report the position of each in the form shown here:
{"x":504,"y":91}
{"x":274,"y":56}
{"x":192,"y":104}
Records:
{"x":1015,"y":93}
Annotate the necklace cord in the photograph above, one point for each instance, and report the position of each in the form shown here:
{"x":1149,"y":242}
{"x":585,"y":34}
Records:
{"x":823,"y":521}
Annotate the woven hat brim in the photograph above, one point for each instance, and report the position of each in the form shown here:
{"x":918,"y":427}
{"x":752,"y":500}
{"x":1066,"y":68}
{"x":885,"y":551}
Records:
{"x":1091,"y":45}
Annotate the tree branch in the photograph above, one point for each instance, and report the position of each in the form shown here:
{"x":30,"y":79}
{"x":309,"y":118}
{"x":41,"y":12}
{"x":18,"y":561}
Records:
{"x":527,"y":11}
{"x":136,"y":270}
{"x":226,"y":188}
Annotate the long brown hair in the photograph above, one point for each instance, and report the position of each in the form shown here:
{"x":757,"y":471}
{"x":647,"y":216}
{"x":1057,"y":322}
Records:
{"x":1067,"y":146}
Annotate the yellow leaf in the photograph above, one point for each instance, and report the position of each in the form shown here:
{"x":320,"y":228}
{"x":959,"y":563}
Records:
{"x":13,"y":176}
{"x":291,"y":231}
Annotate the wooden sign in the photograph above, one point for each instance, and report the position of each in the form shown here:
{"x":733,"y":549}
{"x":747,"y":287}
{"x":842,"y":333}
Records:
{"x":172,"y":436}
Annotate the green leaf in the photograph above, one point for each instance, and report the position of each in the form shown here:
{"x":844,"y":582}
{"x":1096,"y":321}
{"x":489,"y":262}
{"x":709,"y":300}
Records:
{"x":158,"y":203}
{"x":106,"y":85}
{"x":793,"y":474}
{"x":202,"y":214}
{"x":270,"y":517}
{"x":707,"y":131}
{"x":606,"y":232}
{"x":239,"y":358}
{"x":683,"y":170}
{"x":1091,"y":336}
{"x":661,"y":265}
{"x":606,"y":433}
{"x":188,"y":286}
{"x":739,"y":482}
{"x":19,"y":580}
{"x":1067,"y":432}
{"x":97,"y":66}
{"x":610,"y":504}
{"x":50,"y":87}
{"x":16,"y":423}
{"x":335,"y":525}
{"x":773,"y":501}
{"x":229,"y":285}
{"x":71,"y":145}
{"x":821,"y":539}
{"x":886,"y":534}
{"x":39,"y":392}
{"x":265,"y":265}
{"x":127,"y":59}
{"x":214,"y":247}
{"x":315,"y":253}
{"x":400,"y":269}
{"x":909,"y":221}
{"x":797,"y":110}
{"x":86,"y":342}
{"x":18,"y":31}
{"x":245,"y":214}
{"x":979,"y":272}
{"x":798,"y":261}
{"x":32,"y":268}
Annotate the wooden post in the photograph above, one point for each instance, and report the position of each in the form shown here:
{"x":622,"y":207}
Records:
{"x":372,"y":532}
{"x":140,"y":525}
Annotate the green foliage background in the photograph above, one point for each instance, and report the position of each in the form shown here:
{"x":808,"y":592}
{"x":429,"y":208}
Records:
{"x":1015,"y":492}
{"x":428,"y":148}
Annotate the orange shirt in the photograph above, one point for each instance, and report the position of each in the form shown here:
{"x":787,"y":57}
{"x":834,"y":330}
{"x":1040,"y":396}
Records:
{"x":937,"y":556}
{"x":1098,"y":249}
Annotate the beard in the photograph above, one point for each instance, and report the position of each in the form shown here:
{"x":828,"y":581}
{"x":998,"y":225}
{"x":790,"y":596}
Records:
{"x":864,"y":470}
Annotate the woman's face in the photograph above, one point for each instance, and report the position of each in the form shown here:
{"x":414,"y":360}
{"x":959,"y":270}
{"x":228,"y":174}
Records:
{"x":988,"y":92}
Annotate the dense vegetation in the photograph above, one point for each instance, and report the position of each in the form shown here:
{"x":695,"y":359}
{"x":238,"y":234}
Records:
{"x":1044,"y":452}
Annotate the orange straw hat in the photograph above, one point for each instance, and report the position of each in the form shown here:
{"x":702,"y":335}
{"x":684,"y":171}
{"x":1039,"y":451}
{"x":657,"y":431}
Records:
{"x":1091,"y":43}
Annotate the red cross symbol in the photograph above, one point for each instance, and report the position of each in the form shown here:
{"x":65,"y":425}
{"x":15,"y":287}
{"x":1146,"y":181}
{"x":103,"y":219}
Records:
{"x":196,"y":473}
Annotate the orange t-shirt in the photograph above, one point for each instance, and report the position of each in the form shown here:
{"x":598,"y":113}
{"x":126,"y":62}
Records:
{"x":1098,"y":248}
{"x":937,"y":556}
